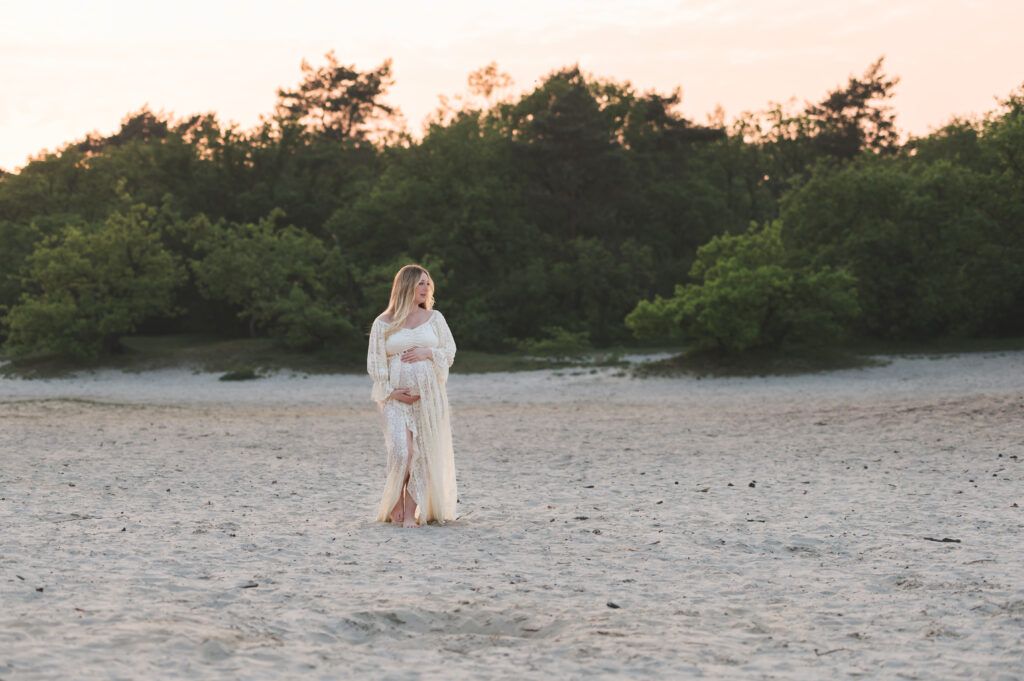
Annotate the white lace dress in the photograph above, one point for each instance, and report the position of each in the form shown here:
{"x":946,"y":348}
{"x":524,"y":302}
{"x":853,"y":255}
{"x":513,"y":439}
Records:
{"x":432,"y":471}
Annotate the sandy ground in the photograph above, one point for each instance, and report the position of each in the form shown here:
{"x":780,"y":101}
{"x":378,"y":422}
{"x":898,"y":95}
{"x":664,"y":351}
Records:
{"x":167,"y":525}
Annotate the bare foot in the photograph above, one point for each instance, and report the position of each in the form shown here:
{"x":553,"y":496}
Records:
{"x":410,"y":512}
{"x":398,"y":512}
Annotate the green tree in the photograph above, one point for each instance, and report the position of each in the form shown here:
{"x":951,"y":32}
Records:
{"x":750,"y":297}
{"x":936,"y":248}
{"x":856,"y":118}
{"x":277,"y":277}
{"x":456,"y":194}
{"x":87,"y":288}
{"x":335,"y":100}
{"x":849,"y":121}
{"x":1003,"y":137}
{"x":566,"y":145}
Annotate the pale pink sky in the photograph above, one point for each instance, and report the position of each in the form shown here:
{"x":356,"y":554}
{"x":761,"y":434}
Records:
{"x":71,"y":67}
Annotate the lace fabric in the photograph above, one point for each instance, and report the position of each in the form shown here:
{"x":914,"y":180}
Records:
{"x":431,"y":468}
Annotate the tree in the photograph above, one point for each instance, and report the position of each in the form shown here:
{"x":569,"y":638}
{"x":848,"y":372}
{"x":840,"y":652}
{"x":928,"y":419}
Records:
{"x":847,"y":122}
{"x":936,"y":248}
{"x":143,"y":126}
{"x":486,"y":88}
{"x":457,"y":193}
{"x":88,"y":287}
{"x":277,"y":277}
{"x":487,"y":81}
{"x":1003,"y":135}
{"x":337,"y":101}
{"x":750,"y":297}
{"x":856,"y":118}
{"x":567,"y":146}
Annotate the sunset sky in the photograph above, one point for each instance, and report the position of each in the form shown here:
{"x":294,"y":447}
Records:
{"x":68,"y":68}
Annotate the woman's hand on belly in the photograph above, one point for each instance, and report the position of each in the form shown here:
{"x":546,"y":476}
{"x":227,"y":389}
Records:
{"x":404,"y":395}
{"x":417,"y":354}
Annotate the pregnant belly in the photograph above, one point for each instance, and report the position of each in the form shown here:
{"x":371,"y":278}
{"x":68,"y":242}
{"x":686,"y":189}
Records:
{"x":414,"y":374}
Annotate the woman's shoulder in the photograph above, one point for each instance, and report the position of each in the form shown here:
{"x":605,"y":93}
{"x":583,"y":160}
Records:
{"x":383,"y":318}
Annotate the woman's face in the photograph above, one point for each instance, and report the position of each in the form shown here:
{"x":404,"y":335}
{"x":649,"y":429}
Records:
{"x":422,"y":289}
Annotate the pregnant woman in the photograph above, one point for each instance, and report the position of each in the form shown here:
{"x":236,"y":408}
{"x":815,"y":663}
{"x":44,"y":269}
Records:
{"x":411,"y":349}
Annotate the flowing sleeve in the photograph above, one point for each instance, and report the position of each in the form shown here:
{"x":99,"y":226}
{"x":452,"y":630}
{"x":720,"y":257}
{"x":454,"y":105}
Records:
{"x":377,"y":364}
{"x":444,"y":353}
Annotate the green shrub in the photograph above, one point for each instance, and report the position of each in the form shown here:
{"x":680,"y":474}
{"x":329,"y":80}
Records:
{"x":936,"y":247}
{"x":750,"y":298}
{"x":87,"y":288}
{"x":559,"y":343}
{"x":276,"y":276}
{"x":246,"y":374}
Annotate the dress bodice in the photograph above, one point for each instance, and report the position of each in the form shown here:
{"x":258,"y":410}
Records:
{"x":422,"y":336}
{"x":384,"y":362}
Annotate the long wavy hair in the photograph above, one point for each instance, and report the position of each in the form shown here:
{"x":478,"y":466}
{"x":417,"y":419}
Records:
{"x":403,"y":296}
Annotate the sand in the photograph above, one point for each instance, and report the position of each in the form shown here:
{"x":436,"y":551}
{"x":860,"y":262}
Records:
{"x":166,"y":525}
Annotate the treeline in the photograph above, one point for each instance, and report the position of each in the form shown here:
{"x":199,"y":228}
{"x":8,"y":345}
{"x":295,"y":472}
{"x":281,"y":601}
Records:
{"x":583,"y":210}
{"x":919,"y":241}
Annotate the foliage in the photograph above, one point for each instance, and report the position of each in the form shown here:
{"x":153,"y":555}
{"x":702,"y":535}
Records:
{"x":245,"y":374}
{"x":936,"y":248}
{"x":559,"y":208}
{"x":558,"y":343}
{"x":274,"y":276}
{"x":336,"y":101}
{"x":87,"y":287}
{"x":849,"y":121}
{"x":750,"y":298}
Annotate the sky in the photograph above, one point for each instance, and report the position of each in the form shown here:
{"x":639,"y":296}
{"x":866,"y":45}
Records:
{"x":68,"y":68}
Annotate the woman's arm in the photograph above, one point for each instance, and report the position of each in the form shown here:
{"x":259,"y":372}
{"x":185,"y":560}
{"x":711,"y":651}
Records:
{"x":377,"y":364}
{"x":444,"y":354}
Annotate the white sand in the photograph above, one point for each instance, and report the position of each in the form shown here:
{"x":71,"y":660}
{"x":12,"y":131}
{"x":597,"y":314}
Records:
{"x":143,"y":505}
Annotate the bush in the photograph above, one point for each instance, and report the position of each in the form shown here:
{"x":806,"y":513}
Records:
{"x":750,"y":298}
{"x":559,"y":344}
{"x":276,"y":279}
{"x":87,"y":288}
{"x":302,"y":322}
{"x":936,"y":248}
{"x":245,"y":374}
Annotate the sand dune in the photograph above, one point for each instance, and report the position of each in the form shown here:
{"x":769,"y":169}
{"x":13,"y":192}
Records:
{"x":167,"y":525}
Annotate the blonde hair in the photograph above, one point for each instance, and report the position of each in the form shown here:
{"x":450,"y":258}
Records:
{"x":403,"y":296}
